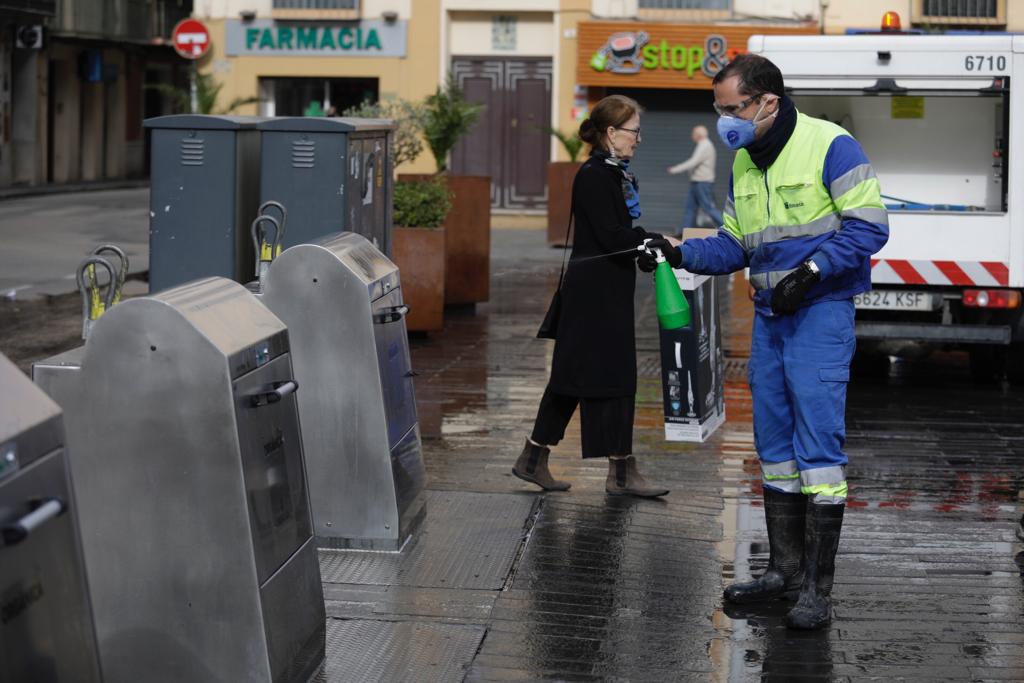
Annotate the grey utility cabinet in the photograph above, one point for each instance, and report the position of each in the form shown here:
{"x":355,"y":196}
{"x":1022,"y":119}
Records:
{"x":204,"y":193}
{"x":331,"y":174}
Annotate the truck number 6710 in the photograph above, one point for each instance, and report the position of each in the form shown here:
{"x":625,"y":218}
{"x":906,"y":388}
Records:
{"x":985,"y":62}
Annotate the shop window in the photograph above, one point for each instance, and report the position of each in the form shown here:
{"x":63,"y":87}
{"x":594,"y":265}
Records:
{"x":315,"y":96}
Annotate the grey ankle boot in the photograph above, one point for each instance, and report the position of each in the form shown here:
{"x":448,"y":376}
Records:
{"x":532,"y":466}
{"x":624,"y":479}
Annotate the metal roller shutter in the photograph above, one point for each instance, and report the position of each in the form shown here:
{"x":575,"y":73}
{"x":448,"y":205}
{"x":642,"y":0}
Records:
{"x":669,"y":117}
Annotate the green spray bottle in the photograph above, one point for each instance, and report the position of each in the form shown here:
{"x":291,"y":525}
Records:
{"x":673,"y":309}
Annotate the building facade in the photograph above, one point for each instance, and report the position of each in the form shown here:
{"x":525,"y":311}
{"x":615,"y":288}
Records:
{"x":74,"y":89}
{"x":21,"y":23}
{"x":73,"y":101}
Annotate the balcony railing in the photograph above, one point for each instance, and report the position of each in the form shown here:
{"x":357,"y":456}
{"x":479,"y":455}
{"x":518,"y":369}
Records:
{"x":684,"y":4}
{"x":961,"y":9}
{"x":134,"y":20}
{"x":316,"y":4}
{"x":41,"y":7}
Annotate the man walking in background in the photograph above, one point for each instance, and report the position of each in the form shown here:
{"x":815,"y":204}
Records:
{"x":701,"y":166}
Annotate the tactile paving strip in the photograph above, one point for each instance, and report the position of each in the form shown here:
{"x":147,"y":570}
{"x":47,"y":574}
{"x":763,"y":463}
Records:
{"x":468,"y":540}
{"x":389,"y":651}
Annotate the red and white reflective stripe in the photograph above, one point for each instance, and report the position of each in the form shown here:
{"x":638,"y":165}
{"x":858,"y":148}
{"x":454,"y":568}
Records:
{"x":981,"y":273}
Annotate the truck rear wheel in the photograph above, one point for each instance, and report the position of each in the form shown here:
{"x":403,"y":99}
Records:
{"x":986,"y":363}
{"x":993,"y":363}
{"x":868,"y":362}
{"x":1015,"y":363}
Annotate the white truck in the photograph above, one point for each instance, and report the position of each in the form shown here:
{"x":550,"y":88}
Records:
{"x":944,"y":130}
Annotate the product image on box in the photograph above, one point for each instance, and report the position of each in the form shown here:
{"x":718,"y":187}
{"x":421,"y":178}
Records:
{"x":691,"y":365}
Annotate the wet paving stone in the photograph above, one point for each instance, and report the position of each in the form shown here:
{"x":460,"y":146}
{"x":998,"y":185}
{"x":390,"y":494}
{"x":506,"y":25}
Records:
{"x":605,"y":588}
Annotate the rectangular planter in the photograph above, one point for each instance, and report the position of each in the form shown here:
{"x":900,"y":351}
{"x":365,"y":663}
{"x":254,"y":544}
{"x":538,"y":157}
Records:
{"x":419,"y":255}
{"x":560,"y":177}
{"x":468,"y":238}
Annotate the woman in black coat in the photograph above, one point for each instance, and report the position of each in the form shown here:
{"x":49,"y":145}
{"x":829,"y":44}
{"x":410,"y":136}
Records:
{"x":594,"y":364}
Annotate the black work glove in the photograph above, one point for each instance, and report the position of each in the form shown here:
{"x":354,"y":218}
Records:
{"x":791,"y":290}
{"x":646,"y":261}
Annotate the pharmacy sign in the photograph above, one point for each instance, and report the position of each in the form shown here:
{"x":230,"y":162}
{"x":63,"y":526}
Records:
{"x":316,"y":38}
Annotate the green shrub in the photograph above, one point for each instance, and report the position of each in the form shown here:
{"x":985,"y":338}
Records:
{"x":421,"y":204}
{"x":406,"y":144}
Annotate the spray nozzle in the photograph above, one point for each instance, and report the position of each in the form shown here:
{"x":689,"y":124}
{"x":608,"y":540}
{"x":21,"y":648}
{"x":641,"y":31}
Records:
{"x":655,"y":252}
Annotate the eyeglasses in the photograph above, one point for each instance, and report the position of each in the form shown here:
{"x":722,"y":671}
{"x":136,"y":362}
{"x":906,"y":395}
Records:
{"x":733,"y":109}
{"x":635,"y":131}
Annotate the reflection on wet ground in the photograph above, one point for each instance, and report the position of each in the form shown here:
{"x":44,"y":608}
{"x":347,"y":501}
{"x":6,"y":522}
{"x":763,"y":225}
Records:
{"x":605,"y":588}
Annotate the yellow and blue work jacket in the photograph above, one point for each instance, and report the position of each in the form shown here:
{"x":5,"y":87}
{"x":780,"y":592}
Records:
{"x":818,"y":200}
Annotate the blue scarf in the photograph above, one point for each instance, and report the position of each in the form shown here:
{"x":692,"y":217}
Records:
{"x":630,"y":185}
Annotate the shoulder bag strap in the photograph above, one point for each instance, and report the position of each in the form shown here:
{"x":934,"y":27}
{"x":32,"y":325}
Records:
{"x":568,"y":228}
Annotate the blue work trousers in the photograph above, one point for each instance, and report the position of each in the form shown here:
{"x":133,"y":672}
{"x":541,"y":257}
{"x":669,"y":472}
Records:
{"x":700,"y":196}
{"x":799,"y":370}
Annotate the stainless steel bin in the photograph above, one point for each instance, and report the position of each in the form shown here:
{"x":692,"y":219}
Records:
{"x":188,"y":470}
{"x":342,"y":301}
{"x":46,"y":629}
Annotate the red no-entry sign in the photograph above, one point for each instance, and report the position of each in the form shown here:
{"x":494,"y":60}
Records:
{"x":191,"y":39}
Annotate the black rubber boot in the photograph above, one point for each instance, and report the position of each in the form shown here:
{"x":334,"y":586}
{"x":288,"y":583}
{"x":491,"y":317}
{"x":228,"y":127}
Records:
{"x":532,"y":466}
{"x":624,"y":479}
{"x":814,"y":606}
{"x":784,"y":516}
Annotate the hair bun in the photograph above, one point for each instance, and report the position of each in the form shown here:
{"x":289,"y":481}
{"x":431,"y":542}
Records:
{"x":588,"y":132}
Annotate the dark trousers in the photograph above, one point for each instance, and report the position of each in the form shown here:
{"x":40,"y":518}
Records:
{"x":606,"y":424}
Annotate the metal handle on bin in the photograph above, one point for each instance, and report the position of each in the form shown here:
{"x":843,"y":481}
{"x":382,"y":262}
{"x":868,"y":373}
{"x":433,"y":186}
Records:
{"x":122,"y":272}
{"x":42,"y":512}
{"x":271,"y":204}
{"x":92,"y":306}
{"x":265,"y":252}
{"x":274,"y":393}
{"x":262,"y":211}
{"x":391,"y":314}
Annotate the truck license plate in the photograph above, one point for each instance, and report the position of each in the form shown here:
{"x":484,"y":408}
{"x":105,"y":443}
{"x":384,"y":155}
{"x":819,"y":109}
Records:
{"x":893,"y":300}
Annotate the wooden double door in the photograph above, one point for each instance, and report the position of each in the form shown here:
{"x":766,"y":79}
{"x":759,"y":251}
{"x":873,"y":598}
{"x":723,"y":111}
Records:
{"x":510,"y":142}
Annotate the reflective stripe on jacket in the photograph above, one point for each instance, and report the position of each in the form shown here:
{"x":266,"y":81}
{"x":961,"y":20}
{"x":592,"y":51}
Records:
{"x":819,"y":200}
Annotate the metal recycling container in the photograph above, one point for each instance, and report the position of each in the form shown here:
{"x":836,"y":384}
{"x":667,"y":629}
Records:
{"x":191,"y":489}
{"x":46,"y":628}
{"x":342,"y":301}
{"x":331,"y":174}
{"x":204,"y":191}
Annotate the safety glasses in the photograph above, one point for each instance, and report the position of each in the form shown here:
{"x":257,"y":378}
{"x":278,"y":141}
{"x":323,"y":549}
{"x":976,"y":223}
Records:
{"x":733,"y":109}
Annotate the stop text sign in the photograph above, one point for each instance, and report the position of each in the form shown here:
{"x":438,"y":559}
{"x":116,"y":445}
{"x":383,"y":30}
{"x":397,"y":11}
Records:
{"x":190,"y":38}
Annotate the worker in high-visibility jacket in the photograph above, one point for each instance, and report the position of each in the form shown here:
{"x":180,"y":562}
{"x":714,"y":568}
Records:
{"x":805,"y":214}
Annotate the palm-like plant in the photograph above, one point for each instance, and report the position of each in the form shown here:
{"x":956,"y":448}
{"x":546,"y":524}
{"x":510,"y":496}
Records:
{"x":571,"y":143}
{"x":207,"y":92}
{"x":448,"y":116}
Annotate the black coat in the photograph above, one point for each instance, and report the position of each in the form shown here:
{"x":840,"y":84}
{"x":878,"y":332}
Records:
{"x":595,"y":352}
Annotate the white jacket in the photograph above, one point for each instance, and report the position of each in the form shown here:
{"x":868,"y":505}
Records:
{"x":701,"y":163}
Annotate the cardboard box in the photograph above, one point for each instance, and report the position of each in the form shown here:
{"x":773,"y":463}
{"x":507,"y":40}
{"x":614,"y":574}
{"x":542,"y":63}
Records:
{"x":692,"y":367}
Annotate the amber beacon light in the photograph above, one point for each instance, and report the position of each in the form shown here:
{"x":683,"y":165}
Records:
{"x":891,"y":22}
